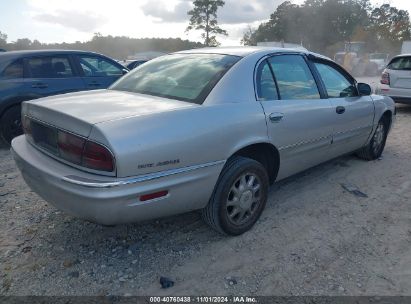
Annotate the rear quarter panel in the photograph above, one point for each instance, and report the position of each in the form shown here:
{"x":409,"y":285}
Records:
{"x":183,"y":137}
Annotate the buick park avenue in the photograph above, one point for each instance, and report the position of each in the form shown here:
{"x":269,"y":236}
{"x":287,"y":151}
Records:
{"x":206,"y":129}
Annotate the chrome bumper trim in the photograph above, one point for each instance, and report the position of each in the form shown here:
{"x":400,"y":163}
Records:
{"x":85,"y":182}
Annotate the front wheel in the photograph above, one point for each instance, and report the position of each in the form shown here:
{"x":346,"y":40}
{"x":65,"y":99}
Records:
{"x":10,"y":124}
{"x":375,"y":147}
{"x":239,"y":197}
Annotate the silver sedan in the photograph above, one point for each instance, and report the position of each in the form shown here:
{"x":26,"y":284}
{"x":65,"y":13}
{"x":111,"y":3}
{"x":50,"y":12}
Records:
{"x":396,"y":79}
{"x":206,"y":129}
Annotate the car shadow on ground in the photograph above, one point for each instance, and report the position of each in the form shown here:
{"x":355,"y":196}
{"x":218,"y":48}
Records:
{"x":63,"y":246}
{"x":3,"y":146}
{"x":156,"y":244}
{"x":403,"y":109}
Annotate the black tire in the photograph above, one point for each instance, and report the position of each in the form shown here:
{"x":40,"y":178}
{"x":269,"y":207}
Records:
{"x":237,"y":173}
{"x":375,"y":147}
{"x":10,"y":124}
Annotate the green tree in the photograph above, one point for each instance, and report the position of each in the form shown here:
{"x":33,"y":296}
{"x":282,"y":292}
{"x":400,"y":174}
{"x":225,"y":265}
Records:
{"x":249,"y":36}
{"x":324,"y":25}
{"x":3,"y":40}
{"x":204,"y":18}
{"x":390,"y":26}
{"x":22,"y":44}
{"x":119,"y":47}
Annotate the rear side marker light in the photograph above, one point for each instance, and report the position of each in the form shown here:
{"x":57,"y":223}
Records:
{"x":150,"y":196}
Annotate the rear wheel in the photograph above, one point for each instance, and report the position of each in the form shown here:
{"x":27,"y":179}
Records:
{"x":375,"y":147}
{"x":238,"y":198}
{"x":10,"y":124}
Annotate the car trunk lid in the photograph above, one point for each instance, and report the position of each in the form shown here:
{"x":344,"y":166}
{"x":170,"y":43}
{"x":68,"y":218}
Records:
{"x":78,"y":112}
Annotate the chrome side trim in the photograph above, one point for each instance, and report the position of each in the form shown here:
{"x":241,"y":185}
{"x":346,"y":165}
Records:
{"x":302,"y":143}
{"x":85,"y":182}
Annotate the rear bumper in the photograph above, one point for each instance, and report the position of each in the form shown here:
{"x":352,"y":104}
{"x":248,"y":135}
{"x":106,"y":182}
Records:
{"x":397,"y":94}
{"x":110,"y":201}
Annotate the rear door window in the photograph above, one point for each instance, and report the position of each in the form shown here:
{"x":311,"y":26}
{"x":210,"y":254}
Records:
{"x":294,"y":78}
{"x":49,"y":67}
{"x":400,"y":63}
{"x":266,"y":88}
{"x":13,"y":71}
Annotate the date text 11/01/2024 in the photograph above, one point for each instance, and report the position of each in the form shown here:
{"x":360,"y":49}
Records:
{"x":233,"y":299}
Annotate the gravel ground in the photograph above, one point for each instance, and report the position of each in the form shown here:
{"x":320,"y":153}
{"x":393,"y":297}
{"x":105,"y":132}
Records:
{"x":342,"y":228}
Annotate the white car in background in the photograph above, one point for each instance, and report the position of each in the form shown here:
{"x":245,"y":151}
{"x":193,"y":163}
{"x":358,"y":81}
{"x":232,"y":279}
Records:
{"x":396,"y":79}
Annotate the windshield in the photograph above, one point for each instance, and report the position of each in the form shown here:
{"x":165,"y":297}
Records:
{"x":186,"y":77}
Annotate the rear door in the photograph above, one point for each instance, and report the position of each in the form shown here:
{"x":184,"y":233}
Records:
{"x":299,"y":120}
{"x":98,"y":72}
{"x":12,"y":85}
{"x":353,"y":115}
{"x":51,"y":75}
{"x":400,"y":72}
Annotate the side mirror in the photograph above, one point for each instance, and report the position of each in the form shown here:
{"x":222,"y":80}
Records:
{"x":364,"y":89}
{"x":125,"y":71}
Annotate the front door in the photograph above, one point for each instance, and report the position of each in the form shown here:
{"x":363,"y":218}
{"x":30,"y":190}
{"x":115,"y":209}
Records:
{"x":353,"y":114}
{"x":299,"y":121}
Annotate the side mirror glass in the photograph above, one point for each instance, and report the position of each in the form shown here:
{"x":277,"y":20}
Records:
{"x":364,"y":89}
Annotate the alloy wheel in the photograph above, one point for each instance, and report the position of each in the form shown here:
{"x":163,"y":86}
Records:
{"x":243,"y":198}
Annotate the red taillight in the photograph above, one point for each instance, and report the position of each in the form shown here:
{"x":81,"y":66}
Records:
{"x":147,"y":197}
{"x":70,"y":147}
{"x":97,"y":157}
{"x":385,"y":78}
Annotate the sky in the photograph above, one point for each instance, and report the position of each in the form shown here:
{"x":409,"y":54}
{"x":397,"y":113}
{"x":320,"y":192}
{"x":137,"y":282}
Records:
{"x":77,"y":20}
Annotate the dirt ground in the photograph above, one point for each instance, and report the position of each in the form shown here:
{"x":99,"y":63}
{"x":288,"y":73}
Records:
{"x":314,"y":238}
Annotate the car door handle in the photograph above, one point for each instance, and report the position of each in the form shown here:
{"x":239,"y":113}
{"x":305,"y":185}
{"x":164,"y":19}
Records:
{"x":340,"y":110}
{"x":39,"y":85}
{"x":276,"y":117}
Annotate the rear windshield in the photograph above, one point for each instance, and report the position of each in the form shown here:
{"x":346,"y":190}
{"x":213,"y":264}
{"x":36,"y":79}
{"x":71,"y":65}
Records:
{"x":186,"y":77}
{"x":400,"y":63}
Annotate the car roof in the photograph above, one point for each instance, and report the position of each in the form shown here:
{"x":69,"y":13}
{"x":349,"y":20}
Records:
{"x":244,"y":51}
{"x":23,"y":53}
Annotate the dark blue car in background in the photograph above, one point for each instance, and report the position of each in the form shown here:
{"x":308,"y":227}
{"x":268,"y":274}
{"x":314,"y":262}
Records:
{"x":26,"y":75}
